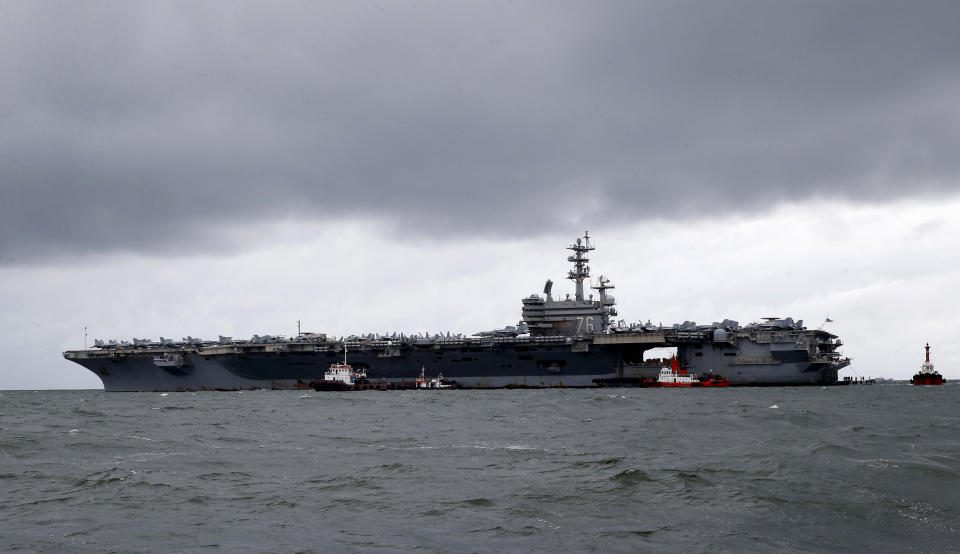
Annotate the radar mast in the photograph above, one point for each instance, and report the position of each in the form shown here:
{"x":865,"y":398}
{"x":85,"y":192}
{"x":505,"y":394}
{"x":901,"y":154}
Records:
{"x":606,"y":301}
{"x":580,"y":269}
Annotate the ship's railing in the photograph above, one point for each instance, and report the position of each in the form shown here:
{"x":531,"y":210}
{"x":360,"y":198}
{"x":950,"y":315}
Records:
{"x":327,"y":346}
{"x":452,"y":341}
{"x":830,"y":357}
{"x":687,"y":336}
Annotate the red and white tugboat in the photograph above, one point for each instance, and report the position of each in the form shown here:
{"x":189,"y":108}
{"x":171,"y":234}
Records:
{"x":927,"y":375}
{"x":437,"y":382}
{"x":673,"y":376}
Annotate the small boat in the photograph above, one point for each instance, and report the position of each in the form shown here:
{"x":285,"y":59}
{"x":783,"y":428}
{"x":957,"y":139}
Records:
{"x":341,"y":376}
{"x":437,"y":382}
{"x":850,"y":380}
{"x":927,"y":375}
{"x":673,"y":376}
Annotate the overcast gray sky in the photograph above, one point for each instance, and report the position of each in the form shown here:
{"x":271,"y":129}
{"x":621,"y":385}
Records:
{"x":164,"y":143}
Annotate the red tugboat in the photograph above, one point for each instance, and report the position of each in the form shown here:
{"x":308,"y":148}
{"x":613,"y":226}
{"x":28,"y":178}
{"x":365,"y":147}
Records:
{"x":927,"y":375}
{"x":673,"y":376}
{"x":436,"y":383}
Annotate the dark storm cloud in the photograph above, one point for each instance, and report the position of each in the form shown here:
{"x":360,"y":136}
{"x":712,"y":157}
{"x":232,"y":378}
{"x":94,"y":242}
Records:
{"x":148,"y":126}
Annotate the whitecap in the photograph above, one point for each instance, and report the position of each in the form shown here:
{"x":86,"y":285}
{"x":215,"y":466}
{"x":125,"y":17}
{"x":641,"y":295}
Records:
{"x":521,"y":447}
{"x":774,"y":407}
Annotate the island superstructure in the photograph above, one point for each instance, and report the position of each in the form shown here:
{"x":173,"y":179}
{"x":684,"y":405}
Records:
{"x":566,"y":342}
{"x":546,"y":317}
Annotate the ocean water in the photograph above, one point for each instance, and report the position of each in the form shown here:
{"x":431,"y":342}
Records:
{"x":867,"y":468}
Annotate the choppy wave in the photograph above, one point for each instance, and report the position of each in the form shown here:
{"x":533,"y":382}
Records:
{"x":814,"y":470}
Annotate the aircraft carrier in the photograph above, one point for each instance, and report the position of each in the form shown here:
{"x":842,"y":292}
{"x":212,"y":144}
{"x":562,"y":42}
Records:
{"x":568,"y":342}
